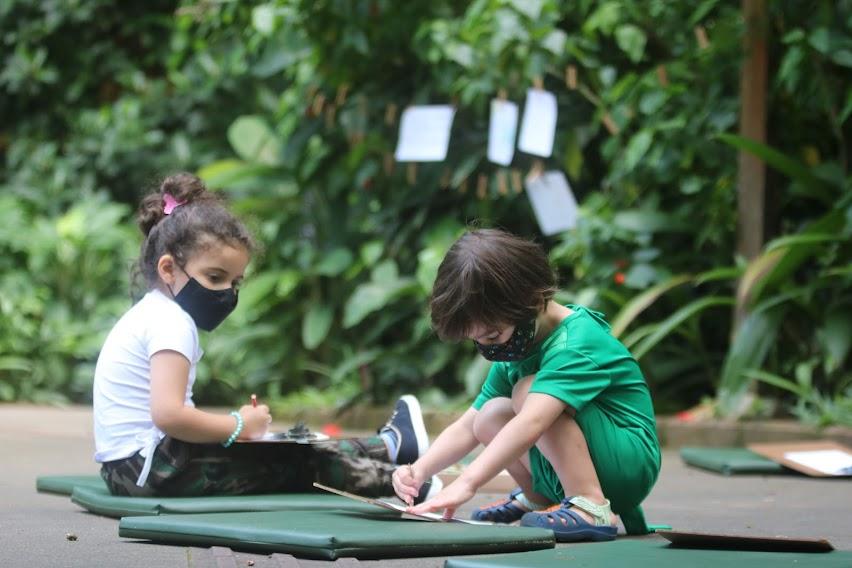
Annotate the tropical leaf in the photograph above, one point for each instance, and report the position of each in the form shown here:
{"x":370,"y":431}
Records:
{"x":674,"y":321}
{"x":642,"y":301}
{"x":779,"y":261}
{"x":776,"y":381}
{"x":254,"y":141}
{"x":788,"y":166}
{"x":316,"y":324}
{"x":748,"y":350}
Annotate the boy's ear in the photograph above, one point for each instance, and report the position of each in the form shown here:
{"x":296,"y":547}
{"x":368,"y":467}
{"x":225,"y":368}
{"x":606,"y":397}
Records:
{"x":167,"y":268}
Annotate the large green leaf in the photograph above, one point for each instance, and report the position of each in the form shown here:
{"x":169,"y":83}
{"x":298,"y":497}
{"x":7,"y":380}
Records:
{"x":642,"y":301}
{"x":373,"y":296}
{"x":782,"y":257}
{"x":227,"y":172}
{"x":776,"y":381}
{"x":784,"y":164}
{"x":316,"y":324}
{"x":675,"y":320}
{"x":334,"y":262}
{"x":835,"y":336}
{"x":631,"y":39}
{"x":254,"y":141}
{"x":754,"y":339}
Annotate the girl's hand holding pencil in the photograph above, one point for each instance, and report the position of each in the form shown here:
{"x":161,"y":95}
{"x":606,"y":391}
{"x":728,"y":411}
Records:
{"x":256,"y":419}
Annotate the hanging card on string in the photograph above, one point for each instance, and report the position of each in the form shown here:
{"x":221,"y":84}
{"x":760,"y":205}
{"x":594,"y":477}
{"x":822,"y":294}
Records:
{"x":424,"y":133}
{"x":538,"y":127}
{"x":502,"y":127}
{"x":552,"y":202}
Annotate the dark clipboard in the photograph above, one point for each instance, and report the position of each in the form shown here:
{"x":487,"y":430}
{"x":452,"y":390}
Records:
{"x":683,"y":539}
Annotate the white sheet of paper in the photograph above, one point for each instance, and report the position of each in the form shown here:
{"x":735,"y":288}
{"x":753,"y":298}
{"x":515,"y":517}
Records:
{"x":553,"y":202}
{"x":385,"y":504}
{"x":832,"y":462}
{"x":502,"y":127}
{"x":538,"y":126}
{"x":424,"y":133}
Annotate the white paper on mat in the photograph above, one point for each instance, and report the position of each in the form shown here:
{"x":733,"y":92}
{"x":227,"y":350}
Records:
{"x":538,"y":126}
{"x":502,"y":127}
{"x":424,"y":133}
{"x":553,"y":202}
{"x":832,"y":462}
{"x":384,"y":504}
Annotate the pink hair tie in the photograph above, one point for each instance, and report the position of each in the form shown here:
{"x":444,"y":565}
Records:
{"x":170,"y":203}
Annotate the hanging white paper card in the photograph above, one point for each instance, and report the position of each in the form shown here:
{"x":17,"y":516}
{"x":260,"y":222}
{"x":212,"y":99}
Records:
{"x":539,"y":123}
{"x":424,"y":133}
{"x":502,"y":128}
{"x":553,"y":202}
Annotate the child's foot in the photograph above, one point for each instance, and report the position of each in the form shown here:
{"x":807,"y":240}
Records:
{"x":575,"y":519}
{"x":503,"y":511}
{"x":404,"y":433}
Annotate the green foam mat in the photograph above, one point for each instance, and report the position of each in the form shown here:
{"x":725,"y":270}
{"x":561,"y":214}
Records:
{"x":65,"y":484}
{"x":729,"y":461}
{"x":651,"y":552}
{"x":330,"y":535}
{"x":101,"y":502}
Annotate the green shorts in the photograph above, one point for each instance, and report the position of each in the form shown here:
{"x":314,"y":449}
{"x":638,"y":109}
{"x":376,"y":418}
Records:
{"x":627,"y":461}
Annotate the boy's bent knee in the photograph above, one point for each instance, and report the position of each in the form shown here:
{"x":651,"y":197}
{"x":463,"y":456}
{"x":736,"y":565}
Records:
{"x":493,"y":415}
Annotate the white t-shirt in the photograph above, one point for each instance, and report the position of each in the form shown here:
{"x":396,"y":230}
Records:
{"x":122,"y":387}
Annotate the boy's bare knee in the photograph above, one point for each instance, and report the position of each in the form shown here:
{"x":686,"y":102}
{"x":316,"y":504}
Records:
{"x":493,"y":415}
{"x":519,"y":393}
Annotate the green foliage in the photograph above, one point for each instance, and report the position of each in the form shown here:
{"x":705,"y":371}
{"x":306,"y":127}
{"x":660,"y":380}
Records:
{"x":291,"y":108}
{"x":60,"y":295}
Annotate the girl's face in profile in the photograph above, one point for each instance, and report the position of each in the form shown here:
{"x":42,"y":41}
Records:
{"x":214,"y":267}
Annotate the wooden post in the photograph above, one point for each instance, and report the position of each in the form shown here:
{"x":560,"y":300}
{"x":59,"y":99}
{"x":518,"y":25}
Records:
{"x":751,"y":177}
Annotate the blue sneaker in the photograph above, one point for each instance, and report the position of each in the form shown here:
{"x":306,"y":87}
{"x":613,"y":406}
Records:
{"x":405,"y":426}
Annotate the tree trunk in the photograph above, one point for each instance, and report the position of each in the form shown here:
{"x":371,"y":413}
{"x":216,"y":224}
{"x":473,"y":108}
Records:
{"x":751,"y":177}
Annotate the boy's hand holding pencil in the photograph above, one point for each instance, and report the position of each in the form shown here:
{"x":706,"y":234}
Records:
{"x":406,"y":484}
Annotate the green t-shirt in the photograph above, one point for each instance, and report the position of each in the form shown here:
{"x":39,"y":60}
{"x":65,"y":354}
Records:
{"x":580,"y":363}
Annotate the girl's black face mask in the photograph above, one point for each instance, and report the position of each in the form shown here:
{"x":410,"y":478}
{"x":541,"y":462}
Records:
{"x":515,"y":348}
{"x":208,"y":308}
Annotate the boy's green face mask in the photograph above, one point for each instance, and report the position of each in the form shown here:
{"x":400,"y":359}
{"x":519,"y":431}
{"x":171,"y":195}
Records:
{"x":515,"y":348}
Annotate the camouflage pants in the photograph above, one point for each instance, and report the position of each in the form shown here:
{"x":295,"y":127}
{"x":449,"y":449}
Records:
{"x":182,"y":469}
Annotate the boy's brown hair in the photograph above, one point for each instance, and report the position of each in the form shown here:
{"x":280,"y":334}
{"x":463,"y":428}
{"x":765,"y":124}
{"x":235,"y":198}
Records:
{"x":492,"y":278}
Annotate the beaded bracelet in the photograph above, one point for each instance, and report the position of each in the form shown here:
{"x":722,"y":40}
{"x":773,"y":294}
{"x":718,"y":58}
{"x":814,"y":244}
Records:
{"x":236,"y":433}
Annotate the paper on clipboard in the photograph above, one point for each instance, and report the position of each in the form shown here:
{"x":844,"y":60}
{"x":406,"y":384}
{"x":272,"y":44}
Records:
{"x":298,"y":434}
{"x":402,"y":509}
{"x":830,"y":462}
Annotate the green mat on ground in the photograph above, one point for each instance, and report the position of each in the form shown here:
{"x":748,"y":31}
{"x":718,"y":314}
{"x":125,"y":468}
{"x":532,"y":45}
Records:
{"x":330,"y":535}
{"x":65,"y":484}
{"x":729,"y":461}
{"x":101,"y":502}
{"x":651,"y":552}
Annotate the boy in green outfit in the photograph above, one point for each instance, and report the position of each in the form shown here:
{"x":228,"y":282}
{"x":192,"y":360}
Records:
{"x":565,"y":409}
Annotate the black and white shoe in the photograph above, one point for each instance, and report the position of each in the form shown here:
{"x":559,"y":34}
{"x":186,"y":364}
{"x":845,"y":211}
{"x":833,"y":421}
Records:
{"x":429,"y":489}
{"x":407,"y":427}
